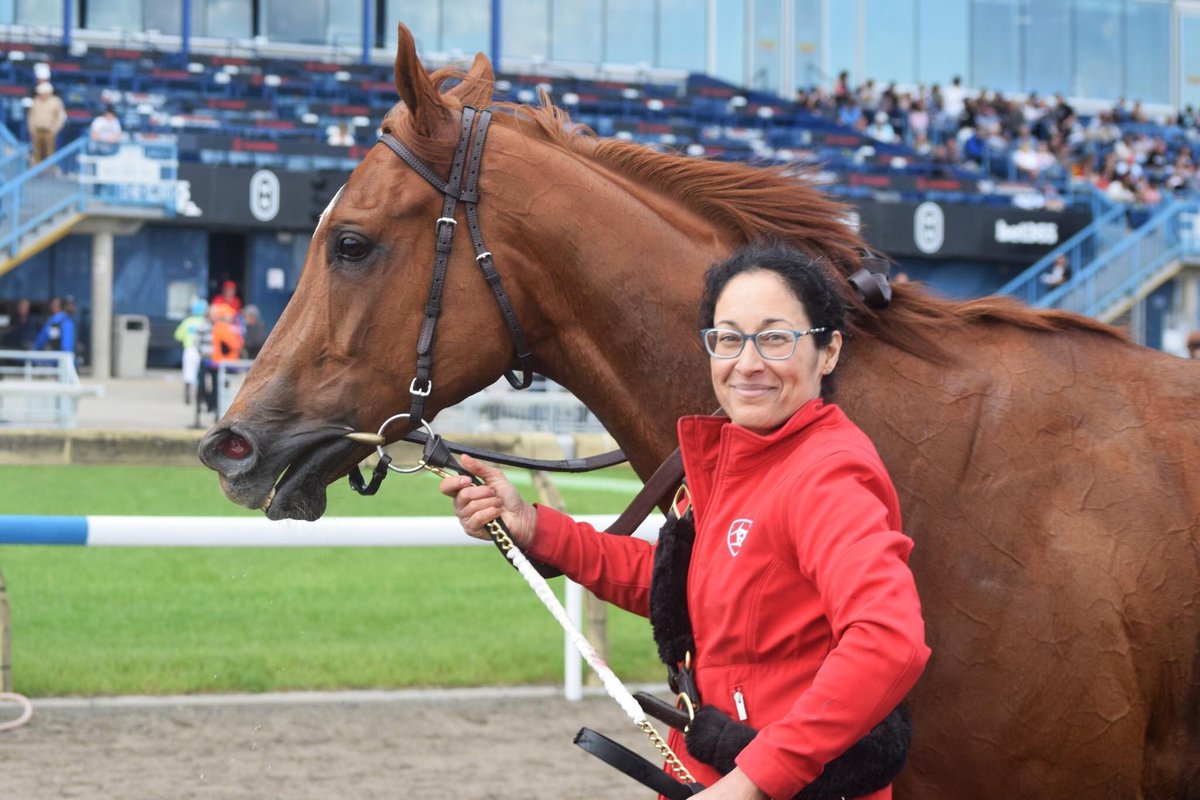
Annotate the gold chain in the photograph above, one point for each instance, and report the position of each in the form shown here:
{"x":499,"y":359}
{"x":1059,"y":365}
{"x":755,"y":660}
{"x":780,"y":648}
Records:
{"x":666,"y":752}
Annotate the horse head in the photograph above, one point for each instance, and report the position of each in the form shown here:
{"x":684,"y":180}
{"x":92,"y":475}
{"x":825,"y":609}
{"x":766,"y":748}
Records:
{"x":343,"y":354}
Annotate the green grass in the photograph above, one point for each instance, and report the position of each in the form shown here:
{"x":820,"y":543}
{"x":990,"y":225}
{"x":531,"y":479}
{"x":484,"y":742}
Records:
{"x":96,"y":621}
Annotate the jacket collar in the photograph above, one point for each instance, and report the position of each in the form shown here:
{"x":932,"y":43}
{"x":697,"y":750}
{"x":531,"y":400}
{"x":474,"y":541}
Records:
{"x":706,"y":442}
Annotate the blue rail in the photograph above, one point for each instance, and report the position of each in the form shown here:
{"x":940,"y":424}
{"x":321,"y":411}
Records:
{"x":7,"y":139}
{"x":1121,"y":273}
{"x":137,"y":173}
{"x":1081,"y":249}
{"x":39,"y":194}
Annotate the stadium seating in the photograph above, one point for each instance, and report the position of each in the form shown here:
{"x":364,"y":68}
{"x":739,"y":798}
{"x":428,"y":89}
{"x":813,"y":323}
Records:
{"x":278,"y":112}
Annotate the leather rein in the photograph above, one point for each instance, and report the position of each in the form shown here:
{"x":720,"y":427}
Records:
{"x":463,"y":185}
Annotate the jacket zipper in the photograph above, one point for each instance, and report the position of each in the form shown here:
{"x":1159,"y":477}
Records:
{"x":739,"y":702}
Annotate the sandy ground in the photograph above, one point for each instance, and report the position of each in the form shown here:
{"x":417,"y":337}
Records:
{"x":352,"y":747}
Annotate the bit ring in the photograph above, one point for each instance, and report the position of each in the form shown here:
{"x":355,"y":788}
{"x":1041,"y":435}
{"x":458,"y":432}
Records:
{"x":420,"y":465}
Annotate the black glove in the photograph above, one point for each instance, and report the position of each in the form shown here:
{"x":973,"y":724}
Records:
{"x":868,"y":766}
{"x":716,"y":739}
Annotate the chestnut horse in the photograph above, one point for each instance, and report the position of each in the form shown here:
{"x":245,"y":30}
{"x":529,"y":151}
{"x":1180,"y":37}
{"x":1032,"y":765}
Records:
{"x":1045,"y":464}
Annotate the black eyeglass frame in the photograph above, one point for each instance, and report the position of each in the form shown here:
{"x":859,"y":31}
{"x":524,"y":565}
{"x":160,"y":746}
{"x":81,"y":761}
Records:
{"x":796,"y":337}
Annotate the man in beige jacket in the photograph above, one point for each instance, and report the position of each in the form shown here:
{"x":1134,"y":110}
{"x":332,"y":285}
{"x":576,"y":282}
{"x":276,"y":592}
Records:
{"x":46,"y":118}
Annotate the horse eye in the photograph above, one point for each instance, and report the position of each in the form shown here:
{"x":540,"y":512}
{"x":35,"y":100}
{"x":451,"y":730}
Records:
{"x":352,"y":248}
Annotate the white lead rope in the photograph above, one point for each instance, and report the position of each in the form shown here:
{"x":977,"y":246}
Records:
{"x":612,"y":684}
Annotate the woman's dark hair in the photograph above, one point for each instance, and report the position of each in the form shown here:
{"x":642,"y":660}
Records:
{"x":808,"y":282}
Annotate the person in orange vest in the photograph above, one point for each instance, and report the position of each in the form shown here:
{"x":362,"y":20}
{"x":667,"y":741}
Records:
{"x":226,"y":346}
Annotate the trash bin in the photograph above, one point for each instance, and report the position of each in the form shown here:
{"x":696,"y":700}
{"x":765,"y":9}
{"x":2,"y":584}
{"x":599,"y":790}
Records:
{"x":130,"y":345}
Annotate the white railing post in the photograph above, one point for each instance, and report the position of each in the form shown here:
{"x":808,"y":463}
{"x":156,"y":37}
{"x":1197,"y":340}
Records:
{"x":573,"y":665}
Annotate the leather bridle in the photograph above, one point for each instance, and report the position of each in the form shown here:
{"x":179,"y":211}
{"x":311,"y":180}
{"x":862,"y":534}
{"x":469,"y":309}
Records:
{"x":458,"y":187}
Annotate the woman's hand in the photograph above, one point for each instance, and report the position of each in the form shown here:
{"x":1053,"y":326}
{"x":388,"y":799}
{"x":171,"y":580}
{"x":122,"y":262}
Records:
{"x":734,"y":786}
{"x":476,"y":506}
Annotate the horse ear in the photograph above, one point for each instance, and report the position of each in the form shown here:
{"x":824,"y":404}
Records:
{"x":476,"y":88}
{"x":415,"y":88}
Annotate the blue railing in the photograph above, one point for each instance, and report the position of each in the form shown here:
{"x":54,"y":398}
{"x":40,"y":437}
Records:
{"x":1081,"y":249}
{"x":137,"y":173}
{"x":1119,"y":275}
{"x":38,"y":195}
{"x":14,"y":156}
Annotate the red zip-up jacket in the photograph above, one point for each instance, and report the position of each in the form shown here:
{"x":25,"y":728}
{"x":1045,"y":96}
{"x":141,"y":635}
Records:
{"x":804,"y":612}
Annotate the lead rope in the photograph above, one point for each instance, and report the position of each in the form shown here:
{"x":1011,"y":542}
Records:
{"x":612,"y":684}
{"x":435,"y":445}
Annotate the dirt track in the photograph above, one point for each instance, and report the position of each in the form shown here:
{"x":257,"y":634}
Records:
{"x":466,"y":749}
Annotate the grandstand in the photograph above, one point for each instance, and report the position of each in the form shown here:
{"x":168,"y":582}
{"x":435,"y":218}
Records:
{"x":227,"y":157}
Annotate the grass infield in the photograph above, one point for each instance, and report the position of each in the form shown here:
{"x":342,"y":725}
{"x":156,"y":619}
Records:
{"x":107,"y":621}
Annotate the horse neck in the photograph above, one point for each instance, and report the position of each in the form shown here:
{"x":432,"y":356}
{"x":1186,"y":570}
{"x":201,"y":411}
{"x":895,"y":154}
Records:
{"x":626,"y":265}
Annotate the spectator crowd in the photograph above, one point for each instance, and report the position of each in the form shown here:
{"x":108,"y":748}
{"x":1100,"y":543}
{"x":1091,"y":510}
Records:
{"x":1120,"y":150}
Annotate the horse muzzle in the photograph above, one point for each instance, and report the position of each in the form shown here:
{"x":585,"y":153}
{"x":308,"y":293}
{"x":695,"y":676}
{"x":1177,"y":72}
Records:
{"x":285,"y":481}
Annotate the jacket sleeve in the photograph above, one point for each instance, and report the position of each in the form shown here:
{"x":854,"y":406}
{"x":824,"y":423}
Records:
{"x":68,"y":336}
{"x":846,"y":545}
{"x":614,"y":568}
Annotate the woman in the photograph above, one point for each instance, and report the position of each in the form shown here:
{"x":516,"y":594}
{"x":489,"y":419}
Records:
{"x":805,"y":618}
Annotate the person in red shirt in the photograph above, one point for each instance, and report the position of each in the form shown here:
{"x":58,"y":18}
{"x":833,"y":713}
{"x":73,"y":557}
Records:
{"x":229,"y":298}
{"x":805,"y":618}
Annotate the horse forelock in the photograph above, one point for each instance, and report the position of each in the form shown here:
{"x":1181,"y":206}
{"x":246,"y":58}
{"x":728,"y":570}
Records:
{"x":751,"y":202}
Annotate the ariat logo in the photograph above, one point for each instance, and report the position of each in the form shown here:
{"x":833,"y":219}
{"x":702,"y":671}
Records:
{"x":737,"y":535}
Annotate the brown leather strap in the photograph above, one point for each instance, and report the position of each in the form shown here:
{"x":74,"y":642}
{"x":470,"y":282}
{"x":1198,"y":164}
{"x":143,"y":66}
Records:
{"x":483,"y":258}
{"x":589,"y":464}
{"x":656,"y":493}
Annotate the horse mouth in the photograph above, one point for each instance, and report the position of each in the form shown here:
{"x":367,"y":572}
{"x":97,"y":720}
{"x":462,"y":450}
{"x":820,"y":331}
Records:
{"x":300,"y":491}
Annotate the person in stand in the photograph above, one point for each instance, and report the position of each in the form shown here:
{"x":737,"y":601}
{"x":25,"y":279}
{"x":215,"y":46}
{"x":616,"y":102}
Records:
{"x":229,"y":298}
{"x":58,"y":332}
{"x":256,"y":332}
{"x":106,"y":128}
{"x":24,"y":328}
{"x":805,"y":617}
{"x":21,"y":334}
{"x":1059,"y":272}
{"x":45,"y":119}
{"x":340,"y":136}
{"x":187,"y":333}
{"x":227,"y":341}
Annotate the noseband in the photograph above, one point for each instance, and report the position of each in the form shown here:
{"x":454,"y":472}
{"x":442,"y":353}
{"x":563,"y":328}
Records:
{"x":465,"y":188}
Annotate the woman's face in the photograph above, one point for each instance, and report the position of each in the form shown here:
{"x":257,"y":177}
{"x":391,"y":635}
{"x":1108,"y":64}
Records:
{"x":755,"y":392}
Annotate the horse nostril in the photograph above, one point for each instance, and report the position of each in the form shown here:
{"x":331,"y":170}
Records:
{"x":235,"y":447}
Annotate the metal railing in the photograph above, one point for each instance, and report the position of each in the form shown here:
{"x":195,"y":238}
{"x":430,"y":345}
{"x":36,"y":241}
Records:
{"x":503,"y":410}
{"x":1104,"y":232}
{"x":38,"y":195}
{"x":40,"y":389}
{"x":138,"y":173}
{"x":1135,"y":266}
{"x":498,"y":410}
{"x":7,"y":139}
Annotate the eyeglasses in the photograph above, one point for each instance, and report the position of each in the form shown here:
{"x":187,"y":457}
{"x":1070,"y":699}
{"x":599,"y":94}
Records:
{"x":776,"y":344}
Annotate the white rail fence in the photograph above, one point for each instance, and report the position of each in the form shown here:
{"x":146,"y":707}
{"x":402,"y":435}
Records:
{"x":126,"y":531}
{"x":40,"y":389}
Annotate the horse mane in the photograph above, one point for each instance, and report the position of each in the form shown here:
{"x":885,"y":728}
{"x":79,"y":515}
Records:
{"x":784,"y":205}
